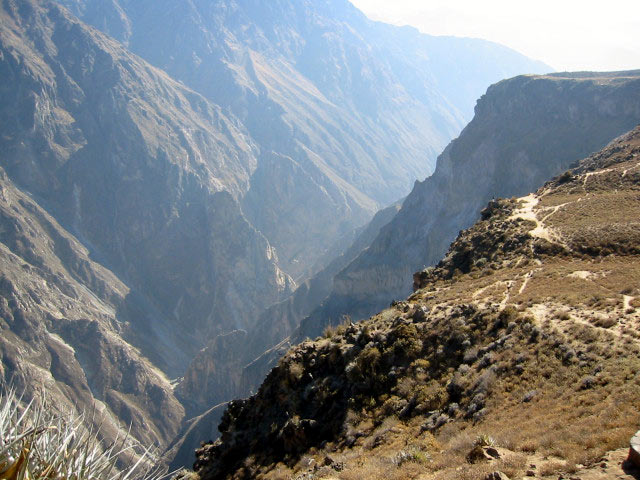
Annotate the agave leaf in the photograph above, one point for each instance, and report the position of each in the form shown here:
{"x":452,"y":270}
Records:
{"x":32,"y":431}
{"x":48,"y":472}
{"x":55,"y":445}
{"x":13,"y":472}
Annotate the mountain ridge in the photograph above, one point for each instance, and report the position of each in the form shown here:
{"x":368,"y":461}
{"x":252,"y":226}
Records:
{"x":511,"y":356}
{"x":418,"y":236}
{"x":509,"y":146}
{"x":526,"y":129}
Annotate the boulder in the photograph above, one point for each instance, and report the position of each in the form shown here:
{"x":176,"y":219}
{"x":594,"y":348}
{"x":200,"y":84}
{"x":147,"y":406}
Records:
{"x":496,"y":476}
{"x":481,"y":453}
{"x":634,"y":450}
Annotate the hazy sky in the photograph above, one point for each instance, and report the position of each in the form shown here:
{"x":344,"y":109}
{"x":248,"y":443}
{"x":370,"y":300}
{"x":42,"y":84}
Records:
{"x":565,"y":34}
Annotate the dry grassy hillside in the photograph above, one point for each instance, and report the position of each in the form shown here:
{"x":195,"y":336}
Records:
{"x":518,"y":353}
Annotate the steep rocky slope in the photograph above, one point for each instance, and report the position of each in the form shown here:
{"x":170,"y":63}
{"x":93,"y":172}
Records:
{"x":67,"y":329}
{"x":194,"y":433}
{"x":346,"y":112}
{"x":525,"y":130}
{"x":305,"y":121}
{"x":517,"y":353}
{"x":147,"y":174}
{"x":233,"y":365}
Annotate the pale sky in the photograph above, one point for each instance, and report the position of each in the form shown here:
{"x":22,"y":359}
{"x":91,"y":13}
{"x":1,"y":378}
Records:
{"x":565,"y":34}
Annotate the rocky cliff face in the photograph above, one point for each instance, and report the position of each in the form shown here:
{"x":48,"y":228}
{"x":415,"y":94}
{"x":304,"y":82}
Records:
{"x":525,"y":130}
{"x":68,"y":325}
{"x":514,"y":354}
{"x":346,"y":112}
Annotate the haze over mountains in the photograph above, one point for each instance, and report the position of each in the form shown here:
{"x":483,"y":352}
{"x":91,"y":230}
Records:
{"x":168,"y":179}
{"x":346,"y":112}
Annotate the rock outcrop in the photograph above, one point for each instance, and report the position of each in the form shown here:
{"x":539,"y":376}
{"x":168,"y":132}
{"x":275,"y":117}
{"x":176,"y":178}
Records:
{"x":634,"y":450}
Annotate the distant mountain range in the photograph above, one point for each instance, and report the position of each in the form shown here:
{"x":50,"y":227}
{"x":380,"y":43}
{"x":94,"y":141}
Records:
{"x":346,"y":113}
{"x":172,"y":171}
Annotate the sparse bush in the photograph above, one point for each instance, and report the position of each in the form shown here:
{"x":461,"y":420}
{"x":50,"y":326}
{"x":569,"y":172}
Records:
{"x":565,"y":177}
{"x":296,"y":370}
{"x":552,"y":468}
{"x":411,"y":455}
{"x":329,"y":331}
{"x":484,"y":440}
{"x":364,"y":367}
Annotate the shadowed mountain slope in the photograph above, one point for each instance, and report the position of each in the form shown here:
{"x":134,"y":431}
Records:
{"x":68,"y":325}
{"x":125,"y":246}
{"x":228,"y":367}
{"x":145,"y":172}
